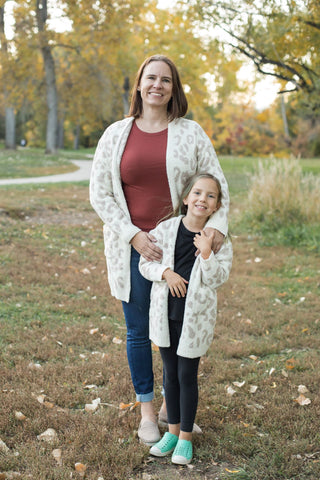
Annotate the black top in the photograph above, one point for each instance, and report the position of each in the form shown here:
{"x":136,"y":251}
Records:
{"x":184,"y":258}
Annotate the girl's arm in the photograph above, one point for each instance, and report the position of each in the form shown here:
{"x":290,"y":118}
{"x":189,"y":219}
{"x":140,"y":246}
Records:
{"x":215,"y":269}
{"x":153,"y":270}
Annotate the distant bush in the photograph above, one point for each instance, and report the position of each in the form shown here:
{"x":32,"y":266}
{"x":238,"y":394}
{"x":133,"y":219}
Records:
{"x":283,"y":201}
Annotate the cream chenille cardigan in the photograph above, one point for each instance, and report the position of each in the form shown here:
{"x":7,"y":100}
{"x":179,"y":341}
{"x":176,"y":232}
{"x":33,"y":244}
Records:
{"x":189,"y":150}
{"x":201,"y":300}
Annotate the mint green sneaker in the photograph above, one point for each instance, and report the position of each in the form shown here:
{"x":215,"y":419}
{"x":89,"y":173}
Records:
{"x":182,"y":454}
{"x":165,"y":446}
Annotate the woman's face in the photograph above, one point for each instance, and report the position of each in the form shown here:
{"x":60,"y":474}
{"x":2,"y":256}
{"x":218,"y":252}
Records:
{"x":156,"y":85}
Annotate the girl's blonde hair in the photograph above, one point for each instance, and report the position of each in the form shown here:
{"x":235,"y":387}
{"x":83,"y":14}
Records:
{"x":181,"y":208}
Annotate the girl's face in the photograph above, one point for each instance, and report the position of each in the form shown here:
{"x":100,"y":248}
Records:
{"x":156,"y":84}
{"x":202,"y":200}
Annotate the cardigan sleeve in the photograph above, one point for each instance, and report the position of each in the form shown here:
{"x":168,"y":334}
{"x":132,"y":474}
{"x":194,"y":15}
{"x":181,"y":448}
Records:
{"x":216,"y":269}
{"x":102,"y":194}
{"x":153,"y":270}
{"x":208,"y":162}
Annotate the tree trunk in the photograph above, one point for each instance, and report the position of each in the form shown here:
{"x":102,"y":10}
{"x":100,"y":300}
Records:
{"x":76,"y":140}
{"x":61,"y":133}
{"x":52,"y":100}
{"x":10,"y":141}
{"x":125,"y":96}
{"x":10,"y":120}
{"x":50,"y":78}
{"x":285,"y":121}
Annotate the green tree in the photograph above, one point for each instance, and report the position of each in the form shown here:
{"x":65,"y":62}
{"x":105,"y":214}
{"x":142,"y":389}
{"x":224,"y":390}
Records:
{"x":282,"y":38}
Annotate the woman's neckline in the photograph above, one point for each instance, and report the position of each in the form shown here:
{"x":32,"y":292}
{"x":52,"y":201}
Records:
{"x":150,"y":132}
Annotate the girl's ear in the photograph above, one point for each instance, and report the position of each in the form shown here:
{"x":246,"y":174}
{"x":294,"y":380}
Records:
{"x":185,"y":201}
{"x":218,"y":206}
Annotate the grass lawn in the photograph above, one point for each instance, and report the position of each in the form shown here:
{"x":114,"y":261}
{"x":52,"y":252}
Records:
{"x":62,"y":346}
{"x":32,"y":162}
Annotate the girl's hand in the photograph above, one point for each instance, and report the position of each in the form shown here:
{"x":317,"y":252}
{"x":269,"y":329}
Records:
{"x":203,"y":242}
{"x":144,"y":243}
{"x":177,"y":284}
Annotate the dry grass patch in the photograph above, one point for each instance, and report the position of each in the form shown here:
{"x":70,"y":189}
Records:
{"x":58,"y":323}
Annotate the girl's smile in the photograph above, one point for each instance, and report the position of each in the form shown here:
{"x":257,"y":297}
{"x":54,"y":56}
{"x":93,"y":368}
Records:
{"x":202,"y":201}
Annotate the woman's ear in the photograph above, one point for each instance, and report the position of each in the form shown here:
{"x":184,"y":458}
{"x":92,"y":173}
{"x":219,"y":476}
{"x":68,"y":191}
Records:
{"x":185,"y":201}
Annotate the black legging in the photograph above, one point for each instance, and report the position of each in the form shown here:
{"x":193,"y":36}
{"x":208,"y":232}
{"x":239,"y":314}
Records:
{"x":181,"y":382}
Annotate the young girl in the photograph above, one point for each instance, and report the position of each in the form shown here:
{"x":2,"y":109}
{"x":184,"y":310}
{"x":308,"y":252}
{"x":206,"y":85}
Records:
{"x":184,"y":304}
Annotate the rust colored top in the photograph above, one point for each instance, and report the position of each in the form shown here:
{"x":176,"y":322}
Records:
{"x":144,"y":177}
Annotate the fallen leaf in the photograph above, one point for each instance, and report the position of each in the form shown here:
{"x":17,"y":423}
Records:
{"x":290,"y":364}
{"x":34,"y":366}
{"x":85,"y":271}
{"x":302,"y":400}
{"x":57,"y":455}
{"x":253,"y":389}
{"x":93,"y":331}
{"x":239,"y":384}
{"x":19,"y":416}
{"x":255,"y":406}
{"x":302,"y":389}
{"x":116,"y":340}
{"x":3,"y":447}
{"x":134,"y":406}
{"x":50,"y":435}
{"x":41,"y":398}
{"x":246,"y":425}
{"x":232,"y":471}
{"x":123,"y":406}
{"x":230,"y":391}
{"x":92,"y":407}
{"x":80,"y":468}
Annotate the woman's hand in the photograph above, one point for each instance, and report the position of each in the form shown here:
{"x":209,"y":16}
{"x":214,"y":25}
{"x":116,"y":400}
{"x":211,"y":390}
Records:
{"x":218,"y":238}
{"x":176,"y":283}
{"x":144,"y":243}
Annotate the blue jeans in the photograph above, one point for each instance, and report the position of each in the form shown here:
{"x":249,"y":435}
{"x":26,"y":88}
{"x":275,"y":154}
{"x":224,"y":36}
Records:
{"x":136,"y":313}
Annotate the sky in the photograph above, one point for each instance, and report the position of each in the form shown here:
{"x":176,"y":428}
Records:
{"x":265,"y":90}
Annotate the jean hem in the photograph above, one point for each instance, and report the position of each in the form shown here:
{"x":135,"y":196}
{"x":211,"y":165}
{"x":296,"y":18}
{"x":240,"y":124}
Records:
{"x":144,"y":397}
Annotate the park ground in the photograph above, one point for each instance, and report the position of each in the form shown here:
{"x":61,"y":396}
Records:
{"x":62,"y":347}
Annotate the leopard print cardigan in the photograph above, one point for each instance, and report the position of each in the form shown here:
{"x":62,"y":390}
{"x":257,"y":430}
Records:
{"x":201,"y":300}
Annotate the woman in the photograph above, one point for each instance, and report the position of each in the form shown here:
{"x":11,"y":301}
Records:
{"x":139,"y":169}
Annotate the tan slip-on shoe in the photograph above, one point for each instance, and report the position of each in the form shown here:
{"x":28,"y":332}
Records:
{"x":148,"y":432}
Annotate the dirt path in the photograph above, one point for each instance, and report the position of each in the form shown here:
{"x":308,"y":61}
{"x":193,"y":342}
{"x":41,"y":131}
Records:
{"x":83,"y":173}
